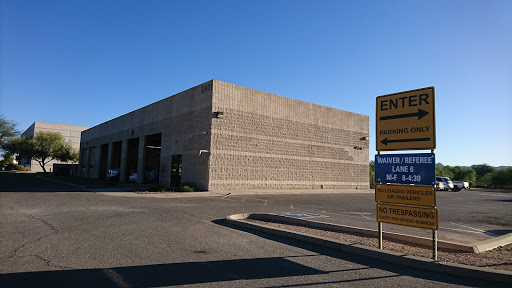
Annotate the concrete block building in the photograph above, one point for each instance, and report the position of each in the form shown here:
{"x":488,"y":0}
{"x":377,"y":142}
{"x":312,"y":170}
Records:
{"x":71,"y":134}
{"x":218,"y":136}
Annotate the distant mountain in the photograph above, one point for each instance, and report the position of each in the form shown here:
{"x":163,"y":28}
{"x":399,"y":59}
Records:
{"x":502,"y":167}
{"x":495,"y":167}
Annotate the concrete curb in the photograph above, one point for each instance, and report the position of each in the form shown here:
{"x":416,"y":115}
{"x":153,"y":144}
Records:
{"x":389,"y":256}
{"x":368,"y":232}
{"x":157,"y":195}
{"x":490,"y":244}
{"x":305,"y":191}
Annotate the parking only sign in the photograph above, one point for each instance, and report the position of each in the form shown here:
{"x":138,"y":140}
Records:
{"x":418,"y":169}
{"x":406,"y":121}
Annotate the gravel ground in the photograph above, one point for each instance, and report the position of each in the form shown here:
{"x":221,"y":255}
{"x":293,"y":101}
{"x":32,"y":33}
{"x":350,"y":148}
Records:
{"x":499,"y":258}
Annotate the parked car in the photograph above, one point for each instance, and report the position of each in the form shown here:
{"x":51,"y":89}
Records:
{"x":113,"y":174}
{"x":132,"y":177}
{"x":466,"y":185}
{"x":440,"y":186}
{"x":457,"y":186}
{"x":448,"y":184}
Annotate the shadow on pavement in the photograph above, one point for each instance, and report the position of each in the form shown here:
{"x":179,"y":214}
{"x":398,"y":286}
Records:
{"x":161,"y":274}
{"x":399,"y":269}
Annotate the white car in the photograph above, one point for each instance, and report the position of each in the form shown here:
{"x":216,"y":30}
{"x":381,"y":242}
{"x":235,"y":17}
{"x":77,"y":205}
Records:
{"x":113,"y":174}
{"x":132,"y":177}
{"x":448,"y":184}
{"x":440,"y":186}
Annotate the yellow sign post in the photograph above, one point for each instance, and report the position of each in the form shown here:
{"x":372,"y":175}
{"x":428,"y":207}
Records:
{"x":406,"y":121}
{"x":419,"y":217}
{"x":416,"y":195}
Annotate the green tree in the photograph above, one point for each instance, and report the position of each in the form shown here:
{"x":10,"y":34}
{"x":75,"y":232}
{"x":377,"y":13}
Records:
{"x":8,"y":130}
{"x":372,"y":166}
{"x":502,"y":178}
{"x":482,"y":169}
{"x":43,"y":148}
{"x":372,"y":174}
{"x":444,"y":171}
{"x":464,"y":174}
{"x":484,"y":181}
{"x":8,"y":159}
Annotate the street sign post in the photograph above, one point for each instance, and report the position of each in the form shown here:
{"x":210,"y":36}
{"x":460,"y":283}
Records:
{"x":418,"y":169}
{"x":406,"y":121}
{"x":419,"y":217}
{"x":405,"y":189}
{"x":415,"y":195}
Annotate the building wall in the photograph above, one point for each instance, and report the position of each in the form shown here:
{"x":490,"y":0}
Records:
{"x":184,"y":121}
{"x":266,"y":141}
{"x":71,"y":134}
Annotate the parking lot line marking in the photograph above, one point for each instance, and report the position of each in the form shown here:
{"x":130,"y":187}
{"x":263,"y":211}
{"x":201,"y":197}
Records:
{"x":467,"y":227}
{"x":301,"y":215}
{"x":478,"y":230}
{"x":496,"y":195}
{"x":455,"y":229}
{"x":349,"y":214}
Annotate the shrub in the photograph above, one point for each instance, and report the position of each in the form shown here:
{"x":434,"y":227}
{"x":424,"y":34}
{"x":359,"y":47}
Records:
{"x":186,"y":188}
{"x":20,"y":168}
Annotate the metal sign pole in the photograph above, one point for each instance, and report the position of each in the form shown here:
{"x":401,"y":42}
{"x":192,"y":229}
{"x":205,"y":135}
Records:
{"x":434,"y":235}
{"x":380,"y":235}
{"x":380,"y":223}
{"x":434,"y":244}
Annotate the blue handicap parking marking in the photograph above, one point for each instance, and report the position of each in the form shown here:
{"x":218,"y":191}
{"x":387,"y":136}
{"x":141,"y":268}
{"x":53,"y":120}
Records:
{"x":299,"y":214}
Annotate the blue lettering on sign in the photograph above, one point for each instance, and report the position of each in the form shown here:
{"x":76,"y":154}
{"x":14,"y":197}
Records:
{"x":416,"y":169}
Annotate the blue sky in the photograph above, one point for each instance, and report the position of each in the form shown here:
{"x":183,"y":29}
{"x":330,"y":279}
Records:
{"x":86,"y":62}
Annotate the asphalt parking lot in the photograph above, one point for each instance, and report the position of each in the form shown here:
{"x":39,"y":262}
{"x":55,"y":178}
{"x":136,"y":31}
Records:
{"x":75,"y":238}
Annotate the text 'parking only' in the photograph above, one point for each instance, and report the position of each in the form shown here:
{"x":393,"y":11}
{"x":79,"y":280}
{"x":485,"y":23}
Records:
{"x":406,"y":120}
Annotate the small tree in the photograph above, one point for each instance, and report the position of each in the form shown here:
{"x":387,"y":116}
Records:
{"x":444,"y":171}
{"x":43,"y":148}
{"x":482,"y":169}
{"x":8,"y":159}
{"x":8,"y":131}
{"x":464,"y":174}
{"x":502,"y":178}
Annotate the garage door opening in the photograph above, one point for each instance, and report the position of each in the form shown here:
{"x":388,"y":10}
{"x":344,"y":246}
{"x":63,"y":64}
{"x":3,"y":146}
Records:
{"x":132,"y":157}
{"x":152,"y":151}
{"x":115,"y":162}
{"x":103,"y":161}
{"x":176,"y":170}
